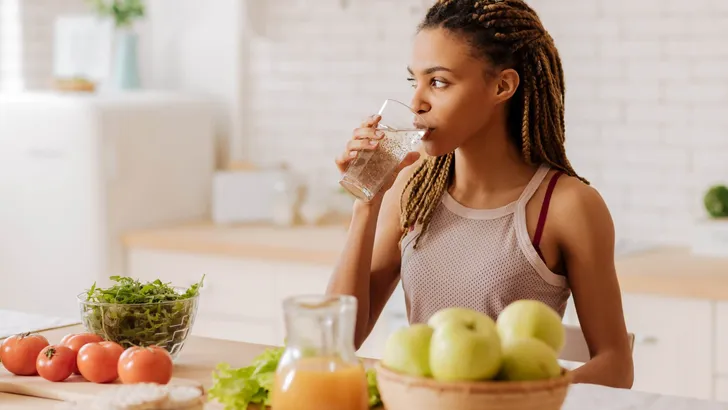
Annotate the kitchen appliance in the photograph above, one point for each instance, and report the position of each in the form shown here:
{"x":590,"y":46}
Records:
{"x":77,"y":171}
{"x":249,"y":196}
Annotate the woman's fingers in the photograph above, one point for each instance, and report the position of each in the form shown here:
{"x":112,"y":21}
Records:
{"x":372,"y":133}
{"x":364,"y":138}
{"x":371,"y":121}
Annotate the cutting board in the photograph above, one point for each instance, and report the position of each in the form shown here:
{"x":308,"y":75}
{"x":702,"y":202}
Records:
{"x":73,"y":389}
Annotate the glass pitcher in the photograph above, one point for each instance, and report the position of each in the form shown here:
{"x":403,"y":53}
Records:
{"x":319,"y":368}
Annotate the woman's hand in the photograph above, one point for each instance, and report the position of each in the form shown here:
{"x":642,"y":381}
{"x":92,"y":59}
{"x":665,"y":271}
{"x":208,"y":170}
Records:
{"x":367,"y":138}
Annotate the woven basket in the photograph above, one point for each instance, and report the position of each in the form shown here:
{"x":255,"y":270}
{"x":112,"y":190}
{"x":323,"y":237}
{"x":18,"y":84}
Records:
{"x":402,"y":392}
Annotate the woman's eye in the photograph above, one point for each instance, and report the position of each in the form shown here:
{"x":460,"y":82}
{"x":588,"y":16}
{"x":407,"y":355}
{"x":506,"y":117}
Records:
{"x":433,"y":83}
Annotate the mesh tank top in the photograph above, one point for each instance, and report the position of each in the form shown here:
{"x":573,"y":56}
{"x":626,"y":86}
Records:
{"x":482,"y":259}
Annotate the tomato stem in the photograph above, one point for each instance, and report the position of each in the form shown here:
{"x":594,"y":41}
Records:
{"x":50,"y":352}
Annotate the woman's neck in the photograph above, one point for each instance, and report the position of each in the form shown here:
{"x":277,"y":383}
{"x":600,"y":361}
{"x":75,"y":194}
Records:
{"x":489,"y":170}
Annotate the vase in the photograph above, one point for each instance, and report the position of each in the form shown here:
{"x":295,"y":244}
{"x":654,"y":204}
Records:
{"x":126,"y":65}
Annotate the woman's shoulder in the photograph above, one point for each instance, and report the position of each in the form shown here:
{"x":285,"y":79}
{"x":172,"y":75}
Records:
{"x":578,"y":209}
{"x":573,"y":194}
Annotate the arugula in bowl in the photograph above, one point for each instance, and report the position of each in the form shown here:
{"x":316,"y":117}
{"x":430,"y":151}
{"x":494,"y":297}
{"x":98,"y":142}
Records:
{"x":135,"y":313}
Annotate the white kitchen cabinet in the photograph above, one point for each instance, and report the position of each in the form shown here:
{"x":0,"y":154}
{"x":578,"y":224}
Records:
{"x":242,"y":297}
{"x":233,"y":288}
{"x":674,"y":343}
{"x":673,"y":350}
{"x":76,"y":170}
{"x":721,"y":338}
{"x":249,"y":330}
{"x":721,"y":389}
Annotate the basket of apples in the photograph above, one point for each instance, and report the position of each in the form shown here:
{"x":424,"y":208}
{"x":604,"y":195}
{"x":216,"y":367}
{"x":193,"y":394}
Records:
{"x":462,"y":359}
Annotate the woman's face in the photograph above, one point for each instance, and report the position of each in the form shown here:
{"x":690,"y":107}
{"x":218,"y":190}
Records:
{"x":452,"y":92}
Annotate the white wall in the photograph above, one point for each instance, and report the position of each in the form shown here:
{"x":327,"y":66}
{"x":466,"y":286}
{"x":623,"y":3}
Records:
{"x":37,"y":18}
{"x":26,"y":41}
{"x":185,"y":45}
{"x":647,"y":92}
{"x":647,"y":85}
{"x":10,"y":46}
{"x":647,"y":95}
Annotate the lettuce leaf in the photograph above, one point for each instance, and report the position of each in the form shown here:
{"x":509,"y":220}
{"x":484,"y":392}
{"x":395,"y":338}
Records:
{"x":235,"y":389}
{"x":374,"y":398}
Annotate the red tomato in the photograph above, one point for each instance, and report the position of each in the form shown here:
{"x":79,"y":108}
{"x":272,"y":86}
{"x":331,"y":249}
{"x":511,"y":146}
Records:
{"x":151,"y":364}
{"x":65,"y":338}
{"x":97,"y":362}
{"x":55,"y":363}
{"x":19,"y":352}
{"x":75,"y":341}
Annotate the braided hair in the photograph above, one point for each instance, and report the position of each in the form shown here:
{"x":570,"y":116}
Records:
{"x":508,"y":34}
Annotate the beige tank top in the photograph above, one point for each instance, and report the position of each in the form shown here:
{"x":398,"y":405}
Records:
{"x":482,"y":259}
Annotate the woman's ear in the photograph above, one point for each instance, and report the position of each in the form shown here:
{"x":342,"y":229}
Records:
{"x":507,"y":84}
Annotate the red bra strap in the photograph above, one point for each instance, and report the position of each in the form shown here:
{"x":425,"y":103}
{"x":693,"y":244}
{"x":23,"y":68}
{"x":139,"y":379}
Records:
{"x":544,"y":211}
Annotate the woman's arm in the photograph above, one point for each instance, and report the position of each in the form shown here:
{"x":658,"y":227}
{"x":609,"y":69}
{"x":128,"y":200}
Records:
{"x":369,"y":265}
{"x":585,"y":234}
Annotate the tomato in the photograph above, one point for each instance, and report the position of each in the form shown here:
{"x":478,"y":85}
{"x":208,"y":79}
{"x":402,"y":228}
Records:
{"x":55,"y":362}
{"x":151,"y":364}
{"x":65,"y":338}
{"x":76,"y":341}
{"x":97,"y":362}
{"x":19,"y":352}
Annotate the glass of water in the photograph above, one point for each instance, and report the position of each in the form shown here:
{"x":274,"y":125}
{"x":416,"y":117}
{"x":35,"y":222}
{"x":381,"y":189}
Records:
{"x":403,"y":128}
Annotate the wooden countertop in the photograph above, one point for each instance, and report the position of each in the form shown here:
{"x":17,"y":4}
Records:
{"x":320,"y":245}
{"x":200,"y":356}
{"x":672,"y":272}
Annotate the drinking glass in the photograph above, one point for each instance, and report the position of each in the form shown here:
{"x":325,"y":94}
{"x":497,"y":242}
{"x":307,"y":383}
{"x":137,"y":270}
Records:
{"x":403,"y":128}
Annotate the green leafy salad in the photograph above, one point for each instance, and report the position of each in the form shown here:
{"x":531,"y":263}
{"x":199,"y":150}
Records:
{"x":133,"y":313}
{"x":238,"y":388}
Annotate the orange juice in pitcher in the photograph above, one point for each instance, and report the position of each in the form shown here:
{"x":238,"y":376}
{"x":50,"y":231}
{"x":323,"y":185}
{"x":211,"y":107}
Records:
{"x":319,"y":368}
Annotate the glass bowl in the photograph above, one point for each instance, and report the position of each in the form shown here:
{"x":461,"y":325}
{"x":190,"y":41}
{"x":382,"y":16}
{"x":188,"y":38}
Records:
{"x":166,"y":324}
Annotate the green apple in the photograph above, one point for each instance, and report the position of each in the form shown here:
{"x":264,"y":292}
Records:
{"x":407,"y":350}
{"x":464,"y":346}
{"x":531,"y":318}
{"x":528,"y":359}
{"x":460,"y":314}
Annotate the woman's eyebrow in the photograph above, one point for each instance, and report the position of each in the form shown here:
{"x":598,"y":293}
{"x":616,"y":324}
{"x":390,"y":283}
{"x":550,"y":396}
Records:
{"x":431,"y":70}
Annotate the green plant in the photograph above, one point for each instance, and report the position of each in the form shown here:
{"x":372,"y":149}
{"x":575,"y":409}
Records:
{"x":124,"y":12}
{"x":716,"y":201}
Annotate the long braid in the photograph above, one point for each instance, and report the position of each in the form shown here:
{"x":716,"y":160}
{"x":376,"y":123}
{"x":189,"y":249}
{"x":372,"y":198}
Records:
{"x":508,"y":33}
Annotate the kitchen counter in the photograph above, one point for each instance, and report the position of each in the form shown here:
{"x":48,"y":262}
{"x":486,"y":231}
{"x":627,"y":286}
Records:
{"x":320,"y":245}
{"x":674,"y":272}
{"x":671,"y":272}
{"x":200,"y":355}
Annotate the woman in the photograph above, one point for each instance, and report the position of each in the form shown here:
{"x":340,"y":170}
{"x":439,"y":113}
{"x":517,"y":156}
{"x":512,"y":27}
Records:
{"x":494,"y":212}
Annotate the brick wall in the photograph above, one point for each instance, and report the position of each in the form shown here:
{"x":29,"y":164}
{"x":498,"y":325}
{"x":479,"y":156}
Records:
{"x":647,"y":86}
{"x":647,"y":93}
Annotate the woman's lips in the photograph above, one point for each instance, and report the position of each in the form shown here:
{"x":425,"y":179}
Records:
{"x":427,"y":133}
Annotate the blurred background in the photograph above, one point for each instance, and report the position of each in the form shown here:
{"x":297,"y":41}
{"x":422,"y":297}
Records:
{"x":178,"y":138}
